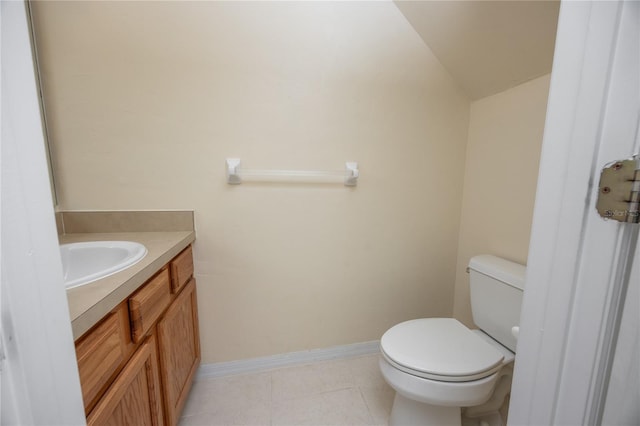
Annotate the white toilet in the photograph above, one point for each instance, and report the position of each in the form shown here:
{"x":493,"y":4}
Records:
{"x":438,"y":365}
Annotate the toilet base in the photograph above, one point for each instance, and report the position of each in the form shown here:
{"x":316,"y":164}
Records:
{"x":407,"y":412}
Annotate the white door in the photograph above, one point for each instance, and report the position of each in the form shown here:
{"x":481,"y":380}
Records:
{"x":579,"y":326}
{"x":622,"y":405}
{"x":38,"y":371}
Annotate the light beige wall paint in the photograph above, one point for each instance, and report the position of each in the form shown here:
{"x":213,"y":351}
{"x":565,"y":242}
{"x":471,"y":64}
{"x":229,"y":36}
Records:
{"x":503,"y":152}
{"x":147,"y":99}
{"x":487,"y":46}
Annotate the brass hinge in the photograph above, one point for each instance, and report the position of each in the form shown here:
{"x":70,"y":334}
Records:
{"x":619,"y":191}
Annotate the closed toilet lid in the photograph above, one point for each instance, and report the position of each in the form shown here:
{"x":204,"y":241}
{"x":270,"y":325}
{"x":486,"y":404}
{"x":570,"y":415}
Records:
{"x":440,"y":349}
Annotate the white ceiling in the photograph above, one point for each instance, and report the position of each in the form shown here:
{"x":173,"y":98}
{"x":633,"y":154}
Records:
{"x":487,"y":46}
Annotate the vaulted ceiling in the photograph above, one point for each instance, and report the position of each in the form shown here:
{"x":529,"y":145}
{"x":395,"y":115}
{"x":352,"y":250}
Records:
{"x":487,"y":46}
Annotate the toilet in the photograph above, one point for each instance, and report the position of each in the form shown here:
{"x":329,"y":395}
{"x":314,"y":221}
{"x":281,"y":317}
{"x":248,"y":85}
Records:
{"x":447,"y":374}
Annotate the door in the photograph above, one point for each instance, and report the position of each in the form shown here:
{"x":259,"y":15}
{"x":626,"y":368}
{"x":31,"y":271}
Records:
{"x":623,"y":391}
{"x":579,"y":320}
{"x":39,"y":380}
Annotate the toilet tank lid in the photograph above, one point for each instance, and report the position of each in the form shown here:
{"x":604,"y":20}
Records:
{"x":501,"y":269}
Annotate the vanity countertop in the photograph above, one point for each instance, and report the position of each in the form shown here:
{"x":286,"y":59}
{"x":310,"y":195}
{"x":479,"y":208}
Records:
{"x":89,"y":303}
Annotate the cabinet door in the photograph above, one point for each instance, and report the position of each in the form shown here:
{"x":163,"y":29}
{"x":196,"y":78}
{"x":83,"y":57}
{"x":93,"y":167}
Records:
{"x":134,"y":398}
{"x":179,"y":347}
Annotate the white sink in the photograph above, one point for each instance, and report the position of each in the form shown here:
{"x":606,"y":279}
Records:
{"x":83,"y":263}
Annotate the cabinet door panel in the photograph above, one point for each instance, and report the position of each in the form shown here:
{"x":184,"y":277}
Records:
{"x":179,"y":346}
{"x":134,"y":398}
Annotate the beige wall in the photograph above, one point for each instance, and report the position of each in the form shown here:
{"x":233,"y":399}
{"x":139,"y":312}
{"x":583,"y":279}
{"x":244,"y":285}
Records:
{"x":503,"y":151}
{"x":145,"y":101}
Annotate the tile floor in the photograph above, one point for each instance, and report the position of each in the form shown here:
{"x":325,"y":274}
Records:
{"x":340,"y":392}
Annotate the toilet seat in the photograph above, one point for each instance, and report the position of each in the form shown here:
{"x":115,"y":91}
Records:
{"x":440,"y":349}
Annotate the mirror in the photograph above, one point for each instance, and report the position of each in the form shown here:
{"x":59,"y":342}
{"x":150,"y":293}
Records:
{"x":43,"y":114}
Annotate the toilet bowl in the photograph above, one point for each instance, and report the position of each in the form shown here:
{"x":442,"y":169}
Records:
{"x":438,"y":365}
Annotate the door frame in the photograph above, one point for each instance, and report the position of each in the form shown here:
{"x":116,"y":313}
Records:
{"x":579,"y":264}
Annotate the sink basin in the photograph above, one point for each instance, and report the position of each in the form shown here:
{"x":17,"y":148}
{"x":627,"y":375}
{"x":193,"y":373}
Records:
{"x":83,"y":263}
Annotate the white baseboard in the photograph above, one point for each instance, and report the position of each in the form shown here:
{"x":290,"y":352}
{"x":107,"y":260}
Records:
{"x":220,"y":369}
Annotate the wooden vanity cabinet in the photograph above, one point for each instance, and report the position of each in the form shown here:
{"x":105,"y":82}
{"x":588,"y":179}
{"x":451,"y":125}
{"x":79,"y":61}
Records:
{"x":138,"y":363}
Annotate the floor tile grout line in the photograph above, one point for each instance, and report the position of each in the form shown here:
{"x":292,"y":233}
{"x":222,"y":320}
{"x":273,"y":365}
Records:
{"x":270,"y":398}
{"x":366,"y":404}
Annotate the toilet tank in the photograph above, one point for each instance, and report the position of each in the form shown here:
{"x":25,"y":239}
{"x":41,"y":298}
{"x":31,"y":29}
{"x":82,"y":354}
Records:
{"x":496,"y":296}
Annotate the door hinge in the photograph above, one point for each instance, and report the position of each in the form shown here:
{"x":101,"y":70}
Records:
{"x":619,"y":191}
